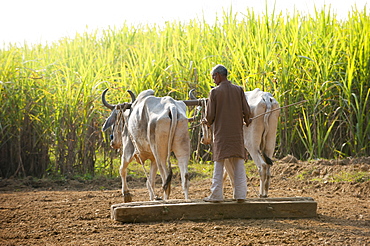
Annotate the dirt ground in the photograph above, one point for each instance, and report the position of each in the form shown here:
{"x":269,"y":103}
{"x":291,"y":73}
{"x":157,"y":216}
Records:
{"x":77,"y":212}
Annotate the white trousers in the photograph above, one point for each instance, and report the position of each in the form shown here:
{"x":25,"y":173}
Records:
{"x":236,"y":170}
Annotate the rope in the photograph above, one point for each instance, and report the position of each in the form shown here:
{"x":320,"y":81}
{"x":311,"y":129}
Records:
{"x":255,"y":117}
{"x":201,"y":110}
{"x":192,"y":127}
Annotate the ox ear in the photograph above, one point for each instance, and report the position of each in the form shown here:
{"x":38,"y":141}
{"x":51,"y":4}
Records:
{"x":111,"y":119}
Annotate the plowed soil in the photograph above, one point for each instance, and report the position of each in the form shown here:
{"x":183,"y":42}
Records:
{"x":77,"y":212}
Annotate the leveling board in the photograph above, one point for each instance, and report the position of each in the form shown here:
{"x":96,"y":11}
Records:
{"x":256,"y":208}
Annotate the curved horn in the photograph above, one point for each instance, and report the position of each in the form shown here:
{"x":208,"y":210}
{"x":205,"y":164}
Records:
{"x":191,"y":95}
{"x":133,"y":97}
{"x":106,"y":104}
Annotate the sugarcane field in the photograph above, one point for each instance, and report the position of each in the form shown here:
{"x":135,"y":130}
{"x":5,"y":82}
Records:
{"x":152,"y":133}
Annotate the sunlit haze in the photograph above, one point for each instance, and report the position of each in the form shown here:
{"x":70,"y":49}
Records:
{"x":39,"y":21}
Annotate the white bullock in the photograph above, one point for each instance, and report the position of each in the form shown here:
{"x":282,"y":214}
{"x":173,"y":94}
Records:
{"x":150,"y":128}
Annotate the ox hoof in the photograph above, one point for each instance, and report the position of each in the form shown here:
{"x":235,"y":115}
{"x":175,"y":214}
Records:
{"x":158,"y":198}
{"x":264,"y":196}
{"x":127,"y":197}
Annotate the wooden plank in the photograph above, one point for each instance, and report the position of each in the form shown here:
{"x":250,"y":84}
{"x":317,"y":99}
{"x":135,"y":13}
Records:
{"x":292,"y":207}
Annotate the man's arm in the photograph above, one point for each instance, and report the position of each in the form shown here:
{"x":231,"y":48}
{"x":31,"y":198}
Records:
{"x":247,"y":115}
{"x":210,"y":110}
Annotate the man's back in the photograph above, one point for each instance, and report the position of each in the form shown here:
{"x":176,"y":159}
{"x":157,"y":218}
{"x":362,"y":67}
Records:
{"x":225,"y":111}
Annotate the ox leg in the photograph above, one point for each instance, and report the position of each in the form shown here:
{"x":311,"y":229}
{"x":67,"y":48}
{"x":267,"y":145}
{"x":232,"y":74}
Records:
{"x":166,"y":190}
{"x":159,"y":140}
{"x":269,"y":148}
{"x":181,"y":149}
{"x":150,"y":183}
{"x":264,"y":171}
{"x":164,"y":176}
{"x":123,"y":172}
{"x":185,"y":183}
{"x":266,"y":185}
{"x":269,"y":151}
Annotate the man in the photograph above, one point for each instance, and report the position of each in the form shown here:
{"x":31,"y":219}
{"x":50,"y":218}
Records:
{"x":227,"y":108}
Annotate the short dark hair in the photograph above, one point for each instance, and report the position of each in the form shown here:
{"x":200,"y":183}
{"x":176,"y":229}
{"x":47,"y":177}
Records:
{"x":221,"y":69}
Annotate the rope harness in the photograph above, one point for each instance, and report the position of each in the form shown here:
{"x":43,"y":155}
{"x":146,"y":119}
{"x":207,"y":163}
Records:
{"x":200,"y":111}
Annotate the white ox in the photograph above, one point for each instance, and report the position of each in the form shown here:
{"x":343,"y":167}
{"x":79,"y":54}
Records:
{"x":150,"y":128}
{"x":259,"y":136}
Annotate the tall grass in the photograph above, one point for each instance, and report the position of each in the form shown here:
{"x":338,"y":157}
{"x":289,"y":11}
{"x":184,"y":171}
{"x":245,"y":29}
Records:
{"x":51,"y":113}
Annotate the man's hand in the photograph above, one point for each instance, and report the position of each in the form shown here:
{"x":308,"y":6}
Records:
{"x":248,"y":122}
{"x":205,"y":122}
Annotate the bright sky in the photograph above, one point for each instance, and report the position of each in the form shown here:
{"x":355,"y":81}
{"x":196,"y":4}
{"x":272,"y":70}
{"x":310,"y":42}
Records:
{"x":36,"y":21}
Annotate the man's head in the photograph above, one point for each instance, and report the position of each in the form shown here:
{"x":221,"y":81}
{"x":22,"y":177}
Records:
{"x":219,"y":73}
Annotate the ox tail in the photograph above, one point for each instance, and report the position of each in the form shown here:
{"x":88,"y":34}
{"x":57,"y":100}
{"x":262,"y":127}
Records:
{"x":168,"y":180}
{"x":173,"y":116}
{"x":267,"y":100}
{"x":267,"y":159}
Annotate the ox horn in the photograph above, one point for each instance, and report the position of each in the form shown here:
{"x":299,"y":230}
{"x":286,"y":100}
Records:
{"x":106,"y":104}
{"x":191,"y":95}
{"x":193,"y":100}
{"x":133,"y":97}
{"x":122,"y":105}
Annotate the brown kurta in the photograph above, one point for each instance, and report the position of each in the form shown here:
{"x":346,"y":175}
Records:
{"x":226,"y":109}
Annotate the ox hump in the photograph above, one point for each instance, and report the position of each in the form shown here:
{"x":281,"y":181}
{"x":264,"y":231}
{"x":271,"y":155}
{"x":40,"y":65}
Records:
{"x":257,"y":97}
{"x":145,"y":94}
